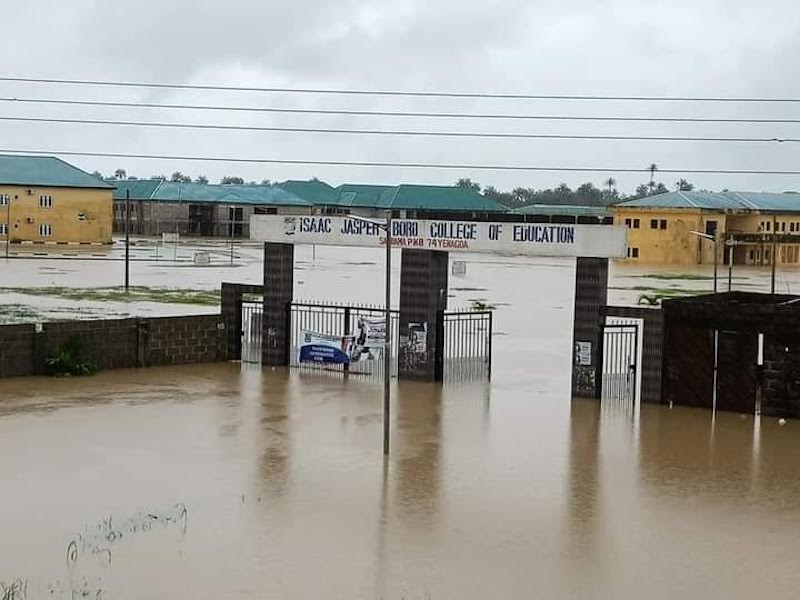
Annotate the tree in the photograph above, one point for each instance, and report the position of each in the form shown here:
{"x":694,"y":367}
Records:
{"x":97,"y":175}
{"x":266,"y":182}
{"x":467,"y":183}
{"x":684,"y":186}
{"x":611,"y":183}
{"x":652,"y":168}
{"x":642,"y":191}
{"x":164,"y":177}
{"x":179,"y":177}
{"x":660,"y":188}
{"x":201,"y":179}
{"x":231,"y":180}
{"x":588,"y":195}
{"x":120,"y":174}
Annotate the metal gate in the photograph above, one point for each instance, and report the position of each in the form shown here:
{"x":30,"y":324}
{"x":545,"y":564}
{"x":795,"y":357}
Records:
{"x":251,"y":330}
{"x":467,"y":346}
{"x":620,"y":362}
{"x":467,"y":338}
{"x":339,"y":321}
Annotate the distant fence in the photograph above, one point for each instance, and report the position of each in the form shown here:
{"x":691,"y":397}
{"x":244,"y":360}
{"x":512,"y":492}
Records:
{"x":114,"y":343}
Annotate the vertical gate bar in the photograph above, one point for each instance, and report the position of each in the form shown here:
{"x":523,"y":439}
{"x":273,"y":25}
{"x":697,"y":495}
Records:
{"x":347,"y":326}
{"x":489,"y":343}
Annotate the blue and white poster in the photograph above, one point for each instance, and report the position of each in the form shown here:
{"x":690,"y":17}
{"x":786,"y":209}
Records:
{"x":322,"y":348}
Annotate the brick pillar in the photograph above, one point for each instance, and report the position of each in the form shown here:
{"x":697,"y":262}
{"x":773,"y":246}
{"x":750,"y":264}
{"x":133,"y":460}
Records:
{"x":278,"y":290}
{"x":231,"y":308}
{"x":423,"y":300}
{"x":591,"y":294}
{"x":652,"y":356}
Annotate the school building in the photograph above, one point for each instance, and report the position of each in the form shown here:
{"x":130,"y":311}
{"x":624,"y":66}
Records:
{"x":663,"y":228}
{"x":45,"y":200}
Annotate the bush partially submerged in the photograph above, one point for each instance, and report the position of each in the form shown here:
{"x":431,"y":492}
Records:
{"x":69,"y":360}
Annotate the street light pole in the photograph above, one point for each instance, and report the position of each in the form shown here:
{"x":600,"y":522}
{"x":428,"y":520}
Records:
{"x":127,"y":240}
{"x":387,"y":352}
{"x":8,"y":224}
{"x":714,"y":239}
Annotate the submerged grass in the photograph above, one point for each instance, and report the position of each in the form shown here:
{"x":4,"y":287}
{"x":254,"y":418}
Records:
{"x":118,"y":294}
{"x":680,"y":277}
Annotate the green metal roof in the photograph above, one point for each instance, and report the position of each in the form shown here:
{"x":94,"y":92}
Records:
{"x":720,"y":201}
{"x":316,"y":192}
{"x":563,"y":209}
{"x":45,"y":171}
{"x":169,"y":191}
{"x":138,"y":188}
{"x":439,"y":198}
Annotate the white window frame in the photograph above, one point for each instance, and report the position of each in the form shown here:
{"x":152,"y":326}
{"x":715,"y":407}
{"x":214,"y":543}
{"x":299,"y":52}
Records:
{"x":45,"y":201}
{"x":3,"y":229}
{"x":45,"y":230}
{"x":4,"y":199}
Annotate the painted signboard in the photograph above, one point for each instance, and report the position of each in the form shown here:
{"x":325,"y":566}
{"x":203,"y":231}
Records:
{"x":526,"y":239}
{"x":322,"y":348}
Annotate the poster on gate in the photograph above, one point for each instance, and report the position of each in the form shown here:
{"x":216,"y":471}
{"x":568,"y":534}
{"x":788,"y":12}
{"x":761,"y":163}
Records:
{"x":370,"y":340}
{"x":322,"y":348}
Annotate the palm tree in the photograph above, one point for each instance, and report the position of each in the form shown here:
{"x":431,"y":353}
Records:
{"x":120,"y":174}
{"x":652,"y":168}
{"x":610,"y":182}
{"x":684,"y":186}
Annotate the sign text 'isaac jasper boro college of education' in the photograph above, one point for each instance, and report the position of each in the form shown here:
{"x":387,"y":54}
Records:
{"x":531,"y":239}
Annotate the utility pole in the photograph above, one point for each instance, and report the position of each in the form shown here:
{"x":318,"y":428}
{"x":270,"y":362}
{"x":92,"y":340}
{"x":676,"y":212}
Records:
{"x":127,"y":240}
{"x":387,"y":353}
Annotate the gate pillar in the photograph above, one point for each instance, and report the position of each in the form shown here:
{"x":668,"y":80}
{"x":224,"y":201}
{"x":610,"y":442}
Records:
{"x":591,"y":295}
{"x":278,"y":292}
{"x":423,"y":300}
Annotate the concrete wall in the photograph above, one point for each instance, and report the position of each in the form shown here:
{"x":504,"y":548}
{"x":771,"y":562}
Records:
{"x":76,"y":215}
{"x":115,"y":343}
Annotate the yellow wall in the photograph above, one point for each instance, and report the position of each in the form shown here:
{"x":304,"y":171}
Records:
{"x":76,"y":215}
{"x":675,"y":245}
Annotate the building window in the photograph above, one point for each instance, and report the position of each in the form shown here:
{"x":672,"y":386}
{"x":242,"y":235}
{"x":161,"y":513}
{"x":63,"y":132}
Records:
{"x":3,"y":229}
{"x":752,"y":255}
{"x":628,"y":223}
{"x":791,"y":227}
{"x":783,"y":225}
{"x":636,"y":223}
{"x":663,"y":223}
{"x":711,"y":228}
{"x":633,"y":253}
{"x":45,"y":230}
{"x":766,"y":255}
{"x":45,"y":201}
{"x":4,"y":199}
{"x":768,"y":225}
{"x":653,"y":223}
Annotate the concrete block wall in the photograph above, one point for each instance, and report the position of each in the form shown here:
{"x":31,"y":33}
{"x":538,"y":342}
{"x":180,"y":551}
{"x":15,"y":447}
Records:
{"x":115,"y":343}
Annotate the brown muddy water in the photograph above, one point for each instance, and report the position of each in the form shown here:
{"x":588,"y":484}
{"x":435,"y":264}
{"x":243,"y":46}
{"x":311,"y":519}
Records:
{"x":225,"y":481}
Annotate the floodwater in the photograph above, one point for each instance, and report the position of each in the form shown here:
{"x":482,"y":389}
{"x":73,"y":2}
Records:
{"x":226,"y":481}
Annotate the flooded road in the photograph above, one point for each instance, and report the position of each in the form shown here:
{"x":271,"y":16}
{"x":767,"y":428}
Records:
{"x":224,"y":481}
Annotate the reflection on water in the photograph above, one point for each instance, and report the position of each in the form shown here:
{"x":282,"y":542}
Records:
{"x":289,"y":495}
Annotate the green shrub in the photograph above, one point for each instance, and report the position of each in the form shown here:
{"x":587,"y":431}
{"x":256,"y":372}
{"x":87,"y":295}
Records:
{"x":69,"y":360}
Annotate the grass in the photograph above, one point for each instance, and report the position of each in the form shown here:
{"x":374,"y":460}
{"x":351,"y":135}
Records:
{"x":663,"y":292}
{"x":16,"y":313}
{"x":118,"y":294}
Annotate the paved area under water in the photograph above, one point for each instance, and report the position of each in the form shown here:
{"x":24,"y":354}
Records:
{"x":225,"y":481}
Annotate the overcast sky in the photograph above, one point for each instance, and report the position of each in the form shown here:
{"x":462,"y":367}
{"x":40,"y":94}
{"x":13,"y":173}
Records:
{"x":673,"y":47}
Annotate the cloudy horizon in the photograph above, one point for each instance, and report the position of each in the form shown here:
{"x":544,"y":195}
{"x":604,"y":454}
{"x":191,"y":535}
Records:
{"x":680,"y":48}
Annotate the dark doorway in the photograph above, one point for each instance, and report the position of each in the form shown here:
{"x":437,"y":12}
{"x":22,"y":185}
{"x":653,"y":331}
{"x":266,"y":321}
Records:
{"x":201,"y":219}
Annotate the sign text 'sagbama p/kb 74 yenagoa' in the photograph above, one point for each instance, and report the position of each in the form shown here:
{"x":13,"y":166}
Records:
{"x":526,"y":239}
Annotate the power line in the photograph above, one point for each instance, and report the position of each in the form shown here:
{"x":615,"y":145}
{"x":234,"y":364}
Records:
{"x":396,"y":93}
{"x":405,"y":165}
{"x":384,"y":113}
{"x":408,"y":133}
